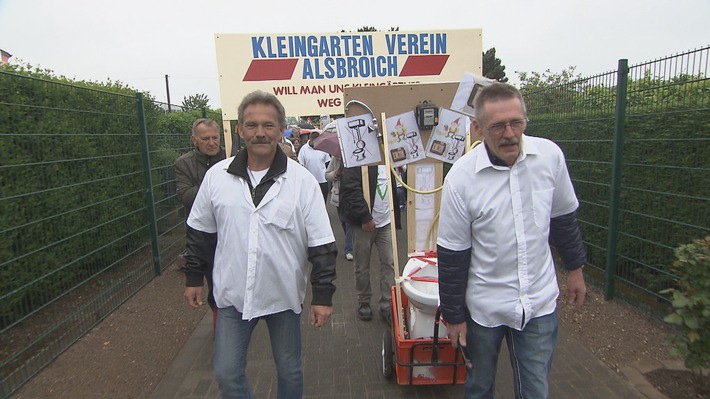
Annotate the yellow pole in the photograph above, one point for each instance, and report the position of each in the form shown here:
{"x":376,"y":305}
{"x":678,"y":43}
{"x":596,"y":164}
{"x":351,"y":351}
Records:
{"x":393,"y":228}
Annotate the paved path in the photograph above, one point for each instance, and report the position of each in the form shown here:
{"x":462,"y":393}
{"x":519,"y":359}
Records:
{"x":344,"y":360}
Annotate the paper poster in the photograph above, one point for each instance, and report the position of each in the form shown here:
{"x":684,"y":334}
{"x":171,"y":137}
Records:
{"x":425,"y":215}
{"x":468,"y":87}
{"x":448,"y":138}
{"x":358,"y":140}
{"x":404,"y":140}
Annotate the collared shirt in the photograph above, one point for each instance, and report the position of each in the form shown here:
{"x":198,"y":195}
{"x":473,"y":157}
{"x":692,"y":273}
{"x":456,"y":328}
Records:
{"x":314,"y":160}
{"x":261,"y":260}
{"x":503,"y":214}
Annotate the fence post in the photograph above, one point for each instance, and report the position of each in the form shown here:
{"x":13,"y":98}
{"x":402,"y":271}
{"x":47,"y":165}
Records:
{"x":149,"y":197}
{"x":622,"y":79}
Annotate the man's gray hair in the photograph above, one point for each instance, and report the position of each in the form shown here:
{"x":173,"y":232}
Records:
{"x":206,"y":122}
{"x":262,"y":97}
{"x":495,"y":92}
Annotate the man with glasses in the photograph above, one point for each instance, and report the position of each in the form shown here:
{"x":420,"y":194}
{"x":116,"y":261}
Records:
{"x":268,"y":213}
{"x":501,"y":203}
{"x":190,"y":169}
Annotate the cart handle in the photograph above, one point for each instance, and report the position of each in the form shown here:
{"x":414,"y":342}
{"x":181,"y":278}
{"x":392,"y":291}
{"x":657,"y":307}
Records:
{"x":467,"y":362}
{"x":435,"y":349}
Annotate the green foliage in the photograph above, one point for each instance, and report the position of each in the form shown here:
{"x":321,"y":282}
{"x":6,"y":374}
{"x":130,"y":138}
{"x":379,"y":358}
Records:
{"x":492,"y":66}
{"x":28,"y":70}
{"x":195,"y":102}
{"x":666,"y":156}
{"x":532,"y":81}
{"x":175,"y":128}
{"x":373,"y":29}
{"x":691,"y":303}
{"x":72,"y":182}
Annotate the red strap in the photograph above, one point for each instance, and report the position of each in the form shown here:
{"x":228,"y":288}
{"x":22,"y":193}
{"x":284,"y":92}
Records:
{"x":425,"y":279}
{"x":425,"y":260}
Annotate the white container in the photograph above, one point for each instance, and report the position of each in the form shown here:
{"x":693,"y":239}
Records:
{"x":420,"y":284}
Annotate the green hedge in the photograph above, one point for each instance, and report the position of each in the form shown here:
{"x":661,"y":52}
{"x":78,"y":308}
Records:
{"x":665,"y":196}
{"x":72,"y":183}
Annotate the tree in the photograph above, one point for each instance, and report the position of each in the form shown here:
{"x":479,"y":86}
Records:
{"x":492,"y":66}
{"x":537,"y":80}
{"x":373,"y":29}
{"x":197,"y":101}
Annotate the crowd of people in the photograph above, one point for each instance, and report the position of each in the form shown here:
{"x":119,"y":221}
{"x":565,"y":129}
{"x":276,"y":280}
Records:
{"x":501,"y":203}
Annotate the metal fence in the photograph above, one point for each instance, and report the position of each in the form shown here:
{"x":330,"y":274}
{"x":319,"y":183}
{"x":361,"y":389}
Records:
{"x":637,"y":142}
{"x":89,"y":212}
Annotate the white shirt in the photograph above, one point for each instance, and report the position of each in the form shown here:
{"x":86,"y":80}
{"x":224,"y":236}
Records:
{"x":314,"y":160}
{"x":381,"y":205}
{"x":261,"y":262}
{"x":503,"y":214}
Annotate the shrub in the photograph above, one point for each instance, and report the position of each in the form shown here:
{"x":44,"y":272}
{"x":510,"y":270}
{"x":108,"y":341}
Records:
{"x":691,"y":303}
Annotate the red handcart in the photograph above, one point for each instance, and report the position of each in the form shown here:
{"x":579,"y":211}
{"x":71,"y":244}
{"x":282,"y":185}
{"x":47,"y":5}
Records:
{"x":422,"y":361}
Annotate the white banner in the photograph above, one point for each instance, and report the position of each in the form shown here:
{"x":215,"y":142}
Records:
{"x":308,"y":72}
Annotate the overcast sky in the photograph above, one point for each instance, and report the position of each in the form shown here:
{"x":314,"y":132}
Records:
{"x":138,"y":42}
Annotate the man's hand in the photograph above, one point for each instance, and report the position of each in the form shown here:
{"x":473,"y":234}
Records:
{"x":320,"y":315}
{"x":369,"y":226}
{"x":576,"y":289}
{"x":457,"y":334}
{"x":193,"y":296}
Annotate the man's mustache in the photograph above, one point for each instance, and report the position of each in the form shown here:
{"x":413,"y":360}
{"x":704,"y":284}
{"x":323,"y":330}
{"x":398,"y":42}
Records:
{"x":261,"y":140}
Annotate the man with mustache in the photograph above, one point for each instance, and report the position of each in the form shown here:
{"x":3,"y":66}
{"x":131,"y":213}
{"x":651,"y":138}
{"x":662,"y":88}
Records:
{"x":268,"y":213}
{"x":501,"y":203}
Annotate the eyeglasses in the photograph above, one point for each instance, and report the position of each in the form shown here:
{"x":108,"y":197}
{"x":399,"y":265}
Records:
{"x":517,"y":125}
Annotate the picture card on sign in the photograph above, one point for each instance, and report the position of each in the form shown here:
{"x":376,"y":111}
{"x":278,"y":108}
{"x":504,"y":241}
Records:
{"x":358,"y":141}
{"x":404,"y":140}
{"x":448,"y":139}
{"x":468,"y":87}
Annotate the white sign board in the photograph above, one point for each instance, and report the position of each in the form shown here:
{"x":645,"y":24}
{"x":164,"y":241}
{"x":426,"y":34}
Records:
{"x":309,"y":71}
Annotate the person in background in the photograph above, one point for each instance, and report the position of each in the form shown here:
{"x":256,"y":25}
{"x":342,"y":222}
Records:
{"x":370,"y":225}
{"x":501,"y":203}
{"x":315,"y":161}
{"x":190,"y":169}
{"x":332,"y":175}
{"x":268,"y":214}
{"x":401,"y":190}
{"x":296,"y":144}
{"x":288,"y":149}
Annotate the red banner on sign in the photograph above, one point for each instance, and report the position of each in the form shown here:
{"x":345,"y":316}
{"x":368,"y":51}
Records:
{"x":281,"y":69}
{"x":424,"y":65}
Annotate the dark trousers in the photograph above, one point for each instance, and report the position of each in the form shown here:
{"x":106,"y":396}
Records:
{"x":325,"y":188}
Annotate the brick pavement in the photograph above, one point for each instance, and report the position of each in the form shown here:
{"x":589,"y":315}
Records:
{"x":344,"y":359}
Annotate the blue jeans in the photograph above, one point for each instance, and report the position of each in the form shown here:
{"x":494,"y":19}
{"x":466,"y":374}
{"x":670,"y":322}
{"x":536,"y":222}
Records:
{"x":232,"y":337}
{"x":530,"y":353}
{"x":348,"y":249}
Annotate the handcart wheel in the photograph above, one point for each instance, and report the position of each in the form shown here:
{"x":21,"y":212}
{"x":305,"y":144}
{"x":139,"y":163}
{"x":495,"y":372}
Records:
{"x":387,"y":354}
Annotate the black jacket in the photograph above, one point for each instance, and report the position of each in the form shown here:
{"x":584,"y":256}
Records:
{"x":353,"y":208}
{"x":190,"y":170}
